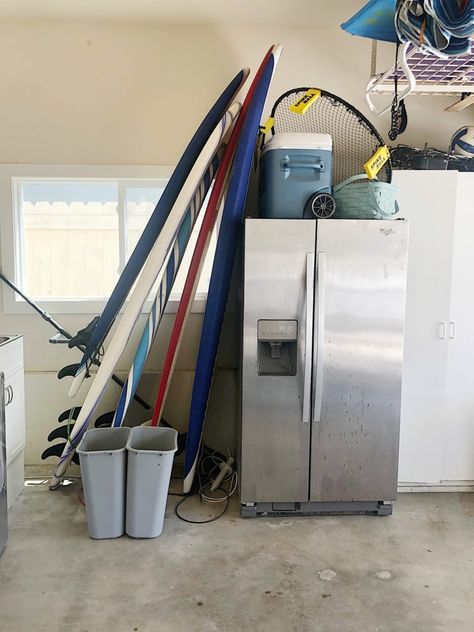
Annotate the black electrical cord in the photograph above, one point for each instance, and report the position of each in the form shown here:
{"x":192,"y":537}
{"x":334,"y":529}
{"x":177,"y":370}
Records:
{"x":208,"y":463}
{"x":181,"y":517}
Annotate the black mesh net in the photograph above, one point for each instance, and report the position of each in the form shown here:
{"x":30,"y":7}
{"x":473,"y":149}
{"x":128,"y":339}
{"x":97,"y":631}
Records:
{"x":354,"y":138}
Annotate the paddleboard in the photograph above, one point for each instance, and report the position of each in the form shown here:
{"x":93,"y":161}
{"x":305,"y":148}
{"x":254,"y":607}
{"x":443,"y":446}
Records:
{"x":156,"y":223}
{"x":200,"y":252}
{"x":152,"y":270}
{"x":163,"y":293}
{"x":222,"y":267}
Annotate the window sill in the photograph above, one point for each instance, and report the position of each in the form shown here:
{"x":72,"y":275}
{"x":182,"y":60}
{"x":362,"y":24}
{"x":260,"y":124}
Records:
{"x":89,"y":306}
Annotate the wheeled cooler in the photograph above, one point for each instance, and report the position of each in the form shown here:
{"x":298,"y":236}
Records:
{"x":296,"y":176}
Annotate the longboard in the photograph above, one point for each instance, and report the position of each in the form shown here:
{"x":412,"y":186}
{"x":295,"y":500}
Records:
{"x":222,"y":266}
{"x":156,"y":224}
{"x":165,"y":240}
{"x":162,"y":295}
{"x":152,"y":270}
{"x":200,"y":252}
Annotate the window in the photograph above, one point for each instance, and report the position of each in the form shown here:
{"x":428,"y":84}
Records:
{"x":72,"y":230}
{"x":77,"y":234}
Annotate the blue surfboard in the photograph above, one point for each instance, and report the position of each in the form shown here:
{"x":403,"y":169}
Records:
{"x":158,"y":219}
{"x":222,"y":267}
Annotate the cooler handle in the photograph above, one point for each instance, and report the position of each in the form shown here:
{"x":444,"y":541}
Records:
{"x":286,"y":165}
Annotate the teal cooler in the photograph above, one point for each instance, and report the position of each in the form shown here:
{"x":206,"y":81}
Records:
{"x":293,"y":167}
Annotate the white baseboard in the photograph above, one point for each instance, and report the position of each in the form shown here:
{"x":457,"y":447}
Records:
{"x":442,"y":486}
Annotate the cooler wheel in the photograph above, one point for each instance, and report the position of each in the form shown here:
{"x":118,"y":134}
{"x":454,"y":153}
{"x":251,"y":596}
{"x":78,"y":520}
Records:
{"x":322,"y":205}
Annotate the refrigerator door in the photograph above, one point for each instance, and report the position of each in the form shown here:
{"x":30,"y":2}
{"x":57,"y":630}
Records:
{"x":358,"y":351}
{"x":3,"y":471}
{"x":277,"y":360}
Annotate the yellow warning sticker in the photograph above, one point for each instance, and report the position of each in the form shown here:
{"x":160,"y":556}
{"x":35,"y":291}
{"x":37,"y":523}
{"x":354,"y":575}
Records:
{"x":308,"y":98}
{"x":268,"y":125}
{"x":374,"y":164}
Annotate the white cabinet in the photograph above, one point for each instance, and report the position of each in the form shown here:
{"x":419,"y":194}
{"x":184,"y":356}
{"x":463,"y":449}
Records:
{"x":11,"y":363}
{"x":458,"y":438}
{"x":437,"y":416}
{"x":15,"y":415}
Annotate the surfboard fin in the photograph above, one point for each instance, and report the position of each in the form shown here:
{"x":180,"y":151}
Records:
{"x":72,"y":413}
{"x":83,"y":335}
{"x":57,"y":450}
{"x":62,"y":432}
{"x":105,"y":420}
{"x":68,"y":371}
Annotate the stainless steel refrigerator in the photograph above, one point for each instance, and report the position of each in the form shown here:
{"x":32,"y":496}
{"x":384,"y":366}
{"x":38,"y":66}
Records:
{"x":323,"y":324}
{"x":3,"y":471}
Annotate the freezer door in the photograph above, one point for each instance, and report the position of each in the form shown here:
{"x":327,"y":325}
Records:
{"x":358,"y":351}
{"x":277,"y":360}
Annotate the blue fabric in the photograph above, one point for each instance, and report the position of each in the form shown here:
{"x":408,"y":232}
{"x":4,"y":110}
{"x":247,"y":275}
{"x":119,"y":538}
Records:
{"x":375,"y":20}
{"x":441,"y":30}
{"x":447,"y":12}
{"x":158,"y":219}
{"x":446,"y":29}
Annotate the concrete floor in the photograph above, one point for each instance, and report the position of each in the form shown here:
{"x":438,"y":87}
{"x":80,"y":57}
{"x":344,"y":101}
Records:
{"x":413,"y":571}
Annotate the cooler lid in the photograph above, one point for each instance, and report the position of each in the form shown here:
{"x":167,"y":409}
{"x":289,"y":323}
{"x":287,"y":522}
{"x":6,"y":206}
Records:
{"x":299,"y":140}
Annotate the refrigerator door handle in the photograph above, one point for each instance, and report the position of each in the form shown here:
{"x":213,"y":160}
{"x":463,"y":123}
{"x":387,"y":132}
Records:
{"x":309,"y":337}
{"x":321,"y":292}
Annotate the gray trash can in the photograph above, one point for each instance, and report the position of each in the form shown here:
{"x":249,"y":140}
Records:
{"x":103,"y":458}
{"x":150,"y":459}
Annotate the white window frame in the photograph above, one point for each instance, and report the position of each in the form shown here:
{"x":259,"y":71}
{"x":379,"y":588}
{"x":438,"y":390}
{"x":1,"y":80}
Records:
{"x":11,"y":230}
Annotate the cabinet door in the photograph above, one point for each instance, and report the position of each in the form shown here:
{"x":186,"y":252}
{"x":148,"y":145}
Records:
{"x":15,"y":415}
{"x":428,"y":200}
{"x":11,"y":357}
{"x":458,"y":458}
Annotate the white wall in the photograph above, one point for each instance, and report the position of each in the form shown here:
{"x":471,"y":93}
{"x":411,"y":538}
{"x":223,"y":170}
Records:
{"x":132,"y":94}
{"x":110,"y":93}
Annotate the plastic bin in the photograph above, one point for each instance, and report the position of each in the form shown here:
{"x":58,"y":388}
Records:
{"x":150,"y":459}
{"x":103,"y":458}
{"x":293,"y":168}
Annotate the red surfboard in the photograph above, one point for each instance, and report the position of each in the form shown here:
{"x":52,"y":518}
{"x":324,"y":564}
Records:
{"x":200,"y":250}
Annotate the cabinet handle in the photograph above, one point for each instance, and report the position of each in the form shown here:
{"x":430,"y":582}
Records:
{"x":452,"y":330}
{"x":441,"y":331}
{"x":8,"y":396}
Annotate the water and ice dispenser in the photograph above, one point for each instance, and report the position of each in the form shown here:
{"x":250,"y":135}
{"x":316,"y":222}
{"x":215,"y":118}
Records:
{"x":277,"y":340}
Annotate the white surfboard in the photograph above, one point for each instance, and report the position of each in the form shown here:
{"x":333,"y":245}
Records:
{"x":154,"y":265}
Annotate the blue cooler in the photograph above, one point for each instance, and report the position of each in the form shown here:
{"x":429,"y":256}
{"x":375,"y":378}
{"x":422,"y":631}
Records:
{"x":293,"y":168}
